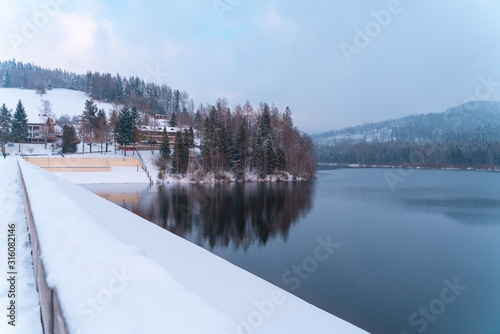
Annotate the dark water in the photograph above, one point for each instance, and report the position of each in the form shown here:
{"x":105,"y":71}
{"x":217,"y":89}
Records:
{"x":389,"y":251}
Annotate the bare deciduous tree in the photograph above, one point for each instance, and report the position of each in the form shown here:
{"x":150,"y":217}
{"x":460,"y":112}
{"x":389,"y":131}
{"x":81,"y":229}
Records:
{"x":47,"y":117}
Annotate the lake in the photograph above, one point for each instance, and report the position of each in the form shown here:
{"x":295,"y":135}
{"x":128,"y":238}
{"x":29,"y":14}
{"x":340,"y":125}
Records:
{"x":391,"y":251}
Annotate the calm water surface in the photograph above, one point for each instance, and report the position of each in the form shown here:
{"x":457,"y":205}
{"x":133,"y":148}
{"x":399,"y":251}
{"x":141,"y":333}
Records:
{"x":422,"y":256}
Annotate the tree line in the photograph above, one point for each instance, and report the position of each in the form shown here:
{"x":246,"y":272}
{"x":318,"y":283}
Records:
{"x":433,"y":154}
{"x":238,"y":141}
{"x":466,"y":135}
{"x":214,"y":140}
{"x":261,"y":141}
{"x":245,"y":140}
{"x":151,"y":97}
{"x":13,"y":126}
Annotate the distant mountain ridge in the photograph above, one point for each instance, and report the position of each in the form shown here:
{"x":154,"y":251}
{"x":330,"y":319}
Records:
{"x":468,"y":134}
{"x":477,"y":118}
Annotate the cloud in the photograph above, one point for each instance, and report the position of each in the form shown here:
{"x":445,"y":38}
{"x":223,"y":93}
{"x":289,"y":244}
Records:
{"x":80,"y":32}
{"x":112,"y":40}
{"x":277,"y":22}
{"x":284,"y":51}
{"x":173,"y":51}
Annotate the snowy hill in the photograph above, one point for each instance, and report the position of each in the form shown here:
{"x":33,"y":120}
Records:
{"x":64,"y":101}
{"x":469,"y":120}
{"x":467,"y":135}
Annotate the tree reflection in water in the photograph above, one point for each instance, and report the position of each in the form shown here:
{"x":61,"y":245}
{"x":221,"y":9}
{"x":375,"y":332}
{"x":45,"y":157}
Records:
{"x":235,"y":215}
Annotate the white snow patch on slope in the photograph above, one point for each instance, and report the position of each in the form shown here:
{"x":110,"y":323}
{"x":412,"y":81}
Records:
{"x":64,"y":102}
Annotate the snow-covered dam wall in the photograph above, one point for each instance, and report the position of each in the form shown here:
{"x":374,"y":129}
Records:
{"x":115,"y":272}
{"x":52,"y":318}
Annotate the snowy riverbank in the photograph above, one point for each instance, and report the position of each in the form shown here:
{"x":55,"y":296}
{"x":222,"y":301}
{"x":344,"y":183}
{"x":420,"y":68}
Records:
{"x":116,"y":272}
{"x":198,"y":177}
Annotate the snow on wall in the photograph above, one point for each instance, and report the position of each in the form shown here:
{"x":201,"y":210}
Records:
{"x":27,"y":309}
{"x":116,"y":272}
{"x":105,"y":285}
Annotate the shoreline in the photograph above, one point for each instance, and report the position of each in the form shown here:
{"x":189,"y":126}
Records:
{"x":126,"y":174}
{"x":409,"y":166}
{"x":227,"y":178}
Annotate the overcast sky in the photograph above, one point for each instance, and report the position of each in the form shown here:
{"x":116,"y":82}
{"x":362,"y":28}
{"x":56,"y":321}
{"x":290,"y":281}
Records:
{"x":333,"y":62}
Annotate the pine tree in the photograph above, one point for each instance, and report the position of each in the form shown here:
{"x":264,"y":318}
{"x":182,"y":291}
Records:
{"x":265,"y":123}
{"x":177,"y":152}
{"x":25,"y":79}
{"x":89,"y":114}
{"x":20,"y":124}
{"x":88,"y":123}
{"x":49,"y":85}
{"x":258,"y":154}
{"x":176,"y":103}
{"x":173,"y":120}
{"x":72,"y":84}
{"x":164,"y":153}
{"x":197,"y":117}
{"x":239,"y":152}
{"x":287,"y":118}
{"x":119,"y":89}
{"x":191,"y":136}
{"x":88,"y":78}
{"x":281,"y":159}
{"x":180,"y":157}
{"x":270,"y":158}
{"x":185,"y":134}
{"x":124,"y":130}
{"x":69,"y":139}
{"x":165,"y":146}
{"x":223,"y":145}
{"x":136,"y":117}
{"x":5,"y":122}
{"x":184,"y":154}
{"x":6,"y":79}
{"x":207,"y":147}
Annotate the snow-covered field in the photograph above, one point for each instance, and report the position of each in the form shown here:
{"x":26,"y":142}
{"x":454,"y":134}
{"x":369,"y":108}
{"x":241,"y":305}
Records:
{"x":26,"y":296}
{"x":118,"y":273}
{"x":64,"y":101}
{"x":28,"y":149}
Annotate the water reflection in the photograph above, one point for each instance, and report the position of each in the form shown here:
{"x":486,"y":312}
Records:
{"x":397,"y":246}
{"x":230,"y":216}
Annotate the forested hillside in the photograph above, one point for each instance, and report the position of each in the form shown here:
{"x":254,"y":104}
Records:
{"x":151,"y":97}
{"x":467,"y":135}
{"x":236,"y":141}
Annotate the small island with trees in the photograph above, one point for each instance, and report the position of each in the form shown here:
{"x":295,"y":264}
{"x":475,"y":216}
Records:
{"x":215,"y":144}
